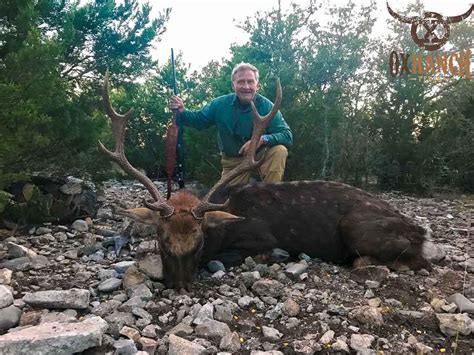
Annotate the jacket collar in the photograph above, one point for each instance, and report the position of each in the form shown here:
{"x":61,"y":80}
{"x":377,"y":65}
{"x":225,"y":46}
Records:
{"x":235,"y":102}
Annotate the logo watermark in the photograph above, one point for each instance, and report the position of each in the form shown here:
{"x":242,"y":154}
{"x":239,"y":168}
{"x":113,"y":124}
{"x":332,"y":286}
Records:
{"x":435,"y":67}
{"x":436,"y":34}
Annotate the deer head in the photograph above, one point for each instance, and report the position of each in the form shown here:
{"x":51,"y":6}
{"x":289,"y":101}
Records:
{"x":181,"y":221}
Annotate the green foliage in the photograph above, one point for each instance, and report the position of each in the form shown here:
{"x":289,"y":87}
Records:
{"x":52,"y":56}
{"x":4,"y":200}
{"x":351,"y":120}
{"x":316,"y":71}
{"x":447,"y":142}
{"x":34,"y":207}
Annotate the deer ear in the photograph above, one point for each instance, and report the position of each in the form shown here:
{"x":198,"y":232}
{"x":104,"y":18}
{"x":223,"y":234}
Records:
{"x":143,"y":215}
{"x":212,"y":219}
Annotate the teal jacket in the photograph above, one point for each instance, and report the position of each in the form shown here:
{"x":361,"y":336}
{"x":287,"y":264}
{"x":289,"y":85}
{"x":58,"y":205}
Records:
{"x":234,"y":123}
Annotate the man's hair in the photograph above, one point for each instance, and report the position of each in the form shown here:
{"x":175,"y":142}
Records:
{"x":244,"y":66}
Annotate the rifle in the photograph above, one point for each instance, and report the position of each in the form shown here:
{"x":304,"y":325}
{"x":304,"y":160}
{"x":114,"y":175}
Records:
{"x":174,"y":148}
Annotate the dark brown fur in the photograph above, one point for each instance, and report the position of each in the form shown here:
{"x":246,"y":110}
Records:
{"x":329,"y":220}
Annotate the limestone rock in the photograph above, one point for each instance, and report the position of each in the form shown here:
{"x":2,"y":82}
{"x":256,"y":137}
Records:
{"x":109,"y":285}
{"x":18,"y":251}
{"x":361,"y":342}
{"x":451,"y":324}
{"x":9,"y":318}
{"x":291,"y":308}
{"x":462,"y":303}
{"x":267,"y":287}
{"x":74,"y":298}
{"x":151,"y":266}
{"x":230,"y":342}
{"x":5,"y":276}
{"x":367,"y":315}
{"x":179,"y":346}
{"x":212,"y":329}
{"x":6,"y":296}
{"x":55,"y":338}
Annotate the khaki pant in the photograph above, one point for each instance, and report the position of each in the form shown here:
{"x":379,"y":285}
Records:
{"x":272,"y":169}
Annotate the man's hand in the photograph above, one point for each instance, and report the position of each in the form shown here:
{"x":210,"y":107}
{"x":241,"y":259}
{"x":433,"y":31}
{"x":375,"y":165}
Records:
{"x":176,"y":104}
{"x":245,"y":147}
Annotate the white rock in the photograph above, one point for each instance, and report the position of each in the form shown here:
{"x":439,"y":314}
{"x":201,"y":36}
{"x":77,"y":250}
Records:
{"x":109,"y":285}
{"x":327,"y":337}
{"x":18,"y":251}
{"x":340,"y":346}
{"x":367,"y":315}
{"x":55,"y":338}
{"x":271,"y":333}
{"x":179,"y":346}
{"x":462,"y":303}
{"x":80,"y":225}
{"x":296,"y":269}
{"x":230,"y":342}
{"x":245,"y":301}
{"x":149,"y":345}
{"x":433,"y":252}
{"x":51,"y":317}
{"x":361,"y":342}
{"x":267,"y":287}
{"x":6,"y":297}
{"x":205,"y":313}
{"x":451,"y":324}
{"x":74,"y":298}
{"x":212,"y":329}
{"x":5,"y":276}
{"x":151,"y":266}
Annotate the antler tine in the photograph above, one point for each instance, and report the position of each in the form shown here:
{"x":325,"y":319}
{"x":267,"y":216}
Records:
{"x":248,"y":163}
{"x":119,"y":123}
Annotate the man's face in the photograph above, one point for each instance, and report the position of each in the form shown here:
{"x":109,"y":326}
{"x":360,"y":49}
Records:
{"x":245,"y":85}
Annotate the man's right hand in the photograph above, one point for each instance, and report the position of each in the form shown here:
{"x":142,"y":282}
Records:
{"x":176,"y":104}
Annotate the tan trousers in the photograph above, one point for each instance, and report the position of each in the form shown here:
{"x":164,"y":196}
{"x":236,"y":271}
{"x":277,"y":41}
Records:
{"x":272,"y":169}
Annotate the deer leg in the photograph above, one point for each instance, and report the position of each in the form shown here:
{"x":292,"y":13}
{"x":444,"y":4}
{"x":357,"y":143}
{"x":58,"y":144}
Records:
{"x":231,"y":242}
{"x":362,"y":261}
{"x":384,"y":237}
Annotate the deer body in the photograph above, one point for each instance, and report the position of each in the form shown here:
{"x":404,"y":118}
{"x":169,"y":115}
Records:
{"x":328,"y":220}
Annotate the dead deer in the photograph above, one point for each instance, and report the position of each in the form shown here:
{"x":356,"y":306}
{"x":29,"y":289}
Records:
{"x":329,"y":220}
{"x":182,"y":220}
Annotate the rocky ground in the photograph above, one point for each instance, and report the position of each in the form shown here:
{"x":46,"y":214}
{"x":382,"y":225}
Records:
{"x":94,"y":287}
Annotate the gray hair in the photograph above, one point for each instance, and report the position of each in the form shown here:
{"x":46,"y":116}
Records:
{"x":244,"y":66}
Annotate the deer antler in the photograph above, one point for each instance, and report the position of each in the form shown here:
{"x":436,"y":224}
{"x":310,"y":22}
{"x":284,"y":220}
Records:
{"x":119,"y":123}
{"x":248,"y":163}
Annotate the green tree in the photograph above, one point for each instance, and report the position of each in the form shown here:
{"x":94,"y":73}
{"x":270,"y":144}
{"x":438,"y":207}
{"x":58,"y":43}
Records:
{"x":52,"y":55}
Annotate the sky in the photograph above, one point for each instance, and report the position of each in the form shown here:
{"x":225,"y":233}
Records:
{"x":204,"y":30}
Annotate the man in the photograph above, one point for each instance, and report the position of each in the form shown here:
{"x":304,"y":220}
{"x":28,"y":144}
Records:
{"x":232,"y":114}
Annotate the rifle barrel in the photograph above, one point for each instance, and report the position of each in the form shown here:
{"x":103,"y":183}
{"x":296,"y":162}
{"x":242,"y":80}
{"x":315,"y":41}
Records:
{"x":175,"y":88}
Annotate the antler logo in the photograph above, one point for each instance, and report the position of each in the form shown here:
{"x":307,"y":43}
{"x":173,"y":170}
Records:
{"x":430,"y":21}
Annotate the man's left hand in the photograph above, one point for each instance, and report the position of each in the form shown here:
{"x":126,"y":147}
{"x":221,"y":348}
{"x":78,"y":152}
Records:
{"x":245,"y":147}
